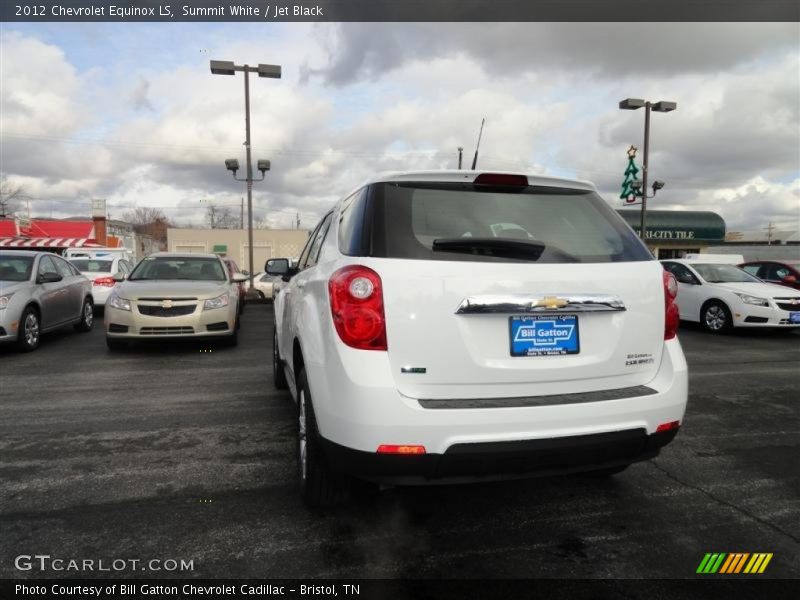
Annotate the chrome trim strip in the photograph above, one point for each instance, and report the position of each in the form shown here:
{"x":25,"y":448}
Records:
{"x":553,"y":400}
{"x":524,"y":303}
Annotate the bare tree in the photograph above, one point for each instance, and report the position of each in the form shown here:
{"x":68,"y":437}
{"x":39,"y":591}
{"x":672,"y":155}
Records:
{"x":221,"y":218}
{"x":149,"y":221}
{"x":11,"y":196}
{"x":144,"y":215}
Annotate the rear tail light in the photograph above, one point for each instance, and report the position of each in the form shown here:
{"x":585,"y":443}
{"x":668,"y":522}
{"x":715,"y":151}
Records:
{"x":672,"y":317}
{"x":356,"y":298}
{"x":393,"y":449}
{"x":105,"y":281}
{"x":668,"y":426}
{"x":501,"y":179}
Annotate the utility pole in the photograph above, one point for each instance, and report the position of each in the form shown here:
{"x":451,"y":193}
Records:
{"x":460,"y":153}
{"x":241,"y":215}
{"x":770,"y":228}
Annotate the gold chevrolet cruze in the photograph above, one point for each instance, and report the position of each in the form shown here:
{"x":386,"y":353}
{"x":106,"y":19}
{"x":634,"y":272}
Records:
{"x":170,"y":295}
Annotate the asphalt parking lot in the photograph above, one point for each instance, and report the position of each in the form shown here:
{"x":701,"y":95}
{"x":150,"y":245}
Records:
{"x":186,"y":452}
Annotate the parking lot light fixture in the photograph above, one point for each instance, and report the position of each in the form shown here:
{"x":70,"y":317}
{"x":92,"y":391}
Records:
{"x":660,"y":106}
{"x":226,"y":67}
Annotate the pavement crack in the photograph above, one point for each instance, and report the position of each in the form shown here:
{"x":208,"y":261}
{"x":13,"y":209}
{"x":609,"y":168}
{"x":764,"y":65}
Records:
{"x":724,"y":502}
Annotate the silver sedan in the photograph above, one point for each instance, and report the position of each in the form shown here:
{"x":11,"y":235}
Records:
{"x":39,"y":292}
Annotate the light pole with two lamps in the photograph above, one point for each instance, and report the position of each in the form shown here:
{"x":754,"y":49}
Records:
{"x":661,"y":106}
{"x":226,"y":67}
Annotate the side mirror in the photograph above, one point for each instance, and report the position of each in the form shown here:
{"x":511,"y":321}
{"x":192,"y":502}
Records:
{"x":685,"y":279}
{"x":119,"y":276}
{"x":49,"y":278}
{"x":239,"y":278}
{"x":277,"y":266}
{"x":789,"y":279}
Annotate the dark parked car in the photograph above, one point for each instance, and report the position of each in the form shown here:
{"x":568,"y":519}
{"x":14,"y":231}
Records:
{"x":39,"y":292}
{"x":781,"y":272}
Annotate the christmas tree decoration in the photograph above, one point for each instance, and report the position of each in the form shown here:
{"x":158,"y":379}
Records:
{"x":628,"y":192}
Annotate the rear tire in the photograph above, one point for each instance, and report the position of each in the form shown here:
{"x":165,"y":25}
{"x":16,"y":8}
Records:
{"x":278,"y":374}
{"x":318,"y":486}
{"x":715,"y":317}
{"x":87,"y":316}
{"x":30,"y":330}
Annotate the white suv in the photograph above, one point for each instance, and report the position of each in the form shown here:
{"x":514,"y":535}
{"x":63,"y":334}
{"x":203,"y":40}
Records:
{"x":455,"y":326}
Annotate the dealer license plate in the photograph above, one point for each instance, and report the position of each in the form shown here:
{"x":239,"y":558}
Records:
{"x":544,"y":335}
{"x":794,"y":317}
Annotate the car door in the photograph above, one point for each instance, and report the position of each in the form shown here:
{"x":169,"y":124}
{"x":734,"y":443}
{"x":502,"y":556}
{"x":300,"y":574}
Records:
{"x":690,"y":291}
{"x":53,"y":296}
{"x":74,"y":283}
{"x":295,"y":290}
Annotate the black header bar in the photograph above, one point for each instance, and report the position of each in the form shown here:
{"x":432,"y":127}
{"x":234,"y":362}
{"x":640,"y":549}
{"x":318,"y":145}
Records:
{"x":271,"y":11}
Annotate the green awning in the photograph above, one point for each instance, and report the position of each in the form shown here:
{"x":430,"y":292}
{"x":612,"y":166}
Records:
{"x":678,"y":225}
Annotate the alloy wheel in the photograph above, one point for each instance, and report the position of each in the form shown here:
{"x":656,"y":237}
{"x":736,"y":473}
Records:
{"x":31,"y":329}
{"x":88,"y":314}
{"x":715,"y":317}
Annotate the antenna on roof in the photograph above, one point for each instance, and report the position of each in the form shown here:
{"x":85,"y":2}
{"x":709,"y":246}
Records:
{"x":478,"y":145}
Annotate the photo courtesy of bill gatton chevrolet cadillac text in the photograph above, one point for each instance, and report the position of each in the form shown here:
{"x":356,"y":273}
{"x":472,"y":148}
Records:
{"x":458,"y":326}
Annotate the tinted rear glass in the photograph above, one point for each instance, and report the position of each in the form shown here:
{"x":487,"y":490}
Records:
{"x":87,"y":265}
{"x":566,"y":225}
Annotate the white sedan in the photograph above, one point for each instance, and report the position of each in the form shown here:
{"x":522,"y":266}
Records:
{"x":721,"y":296}
{"x":266,"y":285}
{"x":100,"y":271}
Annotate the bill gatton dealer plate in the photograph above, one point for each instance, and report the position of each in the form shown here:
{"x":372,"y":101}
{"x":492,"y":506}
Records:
{"x":544,"y":335}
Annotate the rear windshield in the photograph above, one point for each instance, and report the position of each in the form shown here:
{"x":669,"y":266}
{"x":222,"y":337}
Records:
{"x":479,"y":223}
{"x":203,"y":269}
{"x":15,"y":268}
{"x":87,"y":265}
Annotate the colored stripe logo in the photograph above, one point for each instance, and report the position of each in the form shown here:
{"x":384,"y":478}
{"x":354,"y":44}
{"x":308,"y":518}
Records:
{"x":734,"y":562}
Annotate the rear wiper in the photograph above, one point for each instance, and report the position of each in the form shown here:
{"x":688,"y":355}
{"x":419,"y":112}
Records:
{"x":499,"y":247}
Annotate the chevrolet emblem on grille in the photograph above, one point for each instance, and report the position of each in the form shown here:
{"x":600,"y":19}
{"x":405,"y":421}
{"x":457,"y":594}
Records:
{"x":166,"y":304}
{"x":551,"y":302}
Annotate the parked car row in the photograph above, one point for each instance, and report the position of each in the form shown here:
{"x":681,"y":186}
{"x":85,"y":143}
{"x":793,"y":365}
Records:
{"x":722,"y":296}
{"x":165,"y":296}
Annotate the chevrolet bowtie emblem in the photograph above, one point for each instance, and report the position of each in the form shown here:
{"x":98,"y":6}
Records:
{"x":166,"y":304}
{"x":551,"y":302}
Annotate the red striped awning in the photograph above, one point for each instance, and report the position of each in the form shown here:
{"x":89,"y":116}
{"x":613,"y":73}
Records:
{"x":47,"y":242}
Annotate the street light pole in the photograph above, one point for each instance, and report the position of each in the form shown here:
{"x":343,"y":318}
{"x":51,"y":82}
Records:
{"x":224,"y":67}
{"x":660,"y":106}
{"x":249,"y":176}
{"x":643,"y":223}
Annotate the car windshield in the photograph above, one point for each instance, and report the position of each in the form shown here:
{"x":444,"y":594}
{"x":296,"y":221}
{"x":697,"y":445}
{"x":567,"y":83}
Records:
{"x":466,"y":222}
{"x":714,"y":273}
{"x":15,"y":268}
{"x":189,"y":268}
{"x":88,"y":265}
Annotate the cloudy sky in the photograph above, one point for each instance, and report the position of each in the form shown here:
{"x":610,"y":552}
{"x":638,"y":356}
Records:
{"x":131,"y":113}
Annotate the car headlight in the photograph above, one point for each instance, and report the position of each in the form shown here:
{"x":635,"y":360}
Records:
{"x":4,"y":300}
{"x":218,"y":302}
{"x":754,"y":300}
{"x":119,"y":303}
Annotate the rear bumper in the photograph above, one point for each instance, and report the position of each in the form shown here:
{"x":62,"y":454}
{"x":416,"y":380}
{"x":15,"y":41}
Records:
{"x":361,"y":414}
{"x":500,"y":460}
